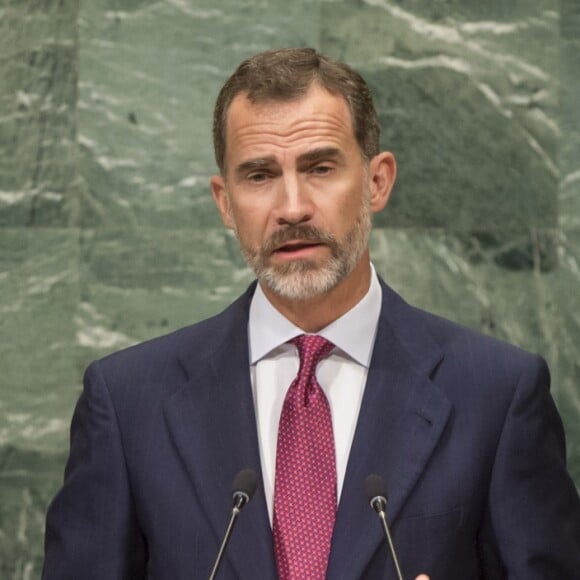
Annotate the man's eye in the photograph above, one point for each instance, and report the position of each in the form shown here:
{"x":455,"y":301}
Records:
{"x":257,"y":177}
{"x":321,"y":169}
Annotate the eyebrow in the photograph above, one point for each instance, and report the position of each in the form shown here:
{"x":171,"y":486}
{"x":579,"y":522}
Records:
{"x":255,"y":164}
{"x":319,"y":154}
{"x":305,"y":159}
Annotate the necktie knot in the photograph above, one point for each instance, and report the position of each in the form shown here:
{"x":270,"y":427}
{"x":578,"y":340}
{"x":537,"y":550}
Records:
{"x":311,"y":349}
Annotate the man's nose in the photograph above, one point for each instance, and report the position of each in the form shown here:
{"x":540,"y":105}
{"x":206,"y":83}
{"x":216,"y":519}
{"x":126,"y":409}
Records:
{"x":294,"y":202}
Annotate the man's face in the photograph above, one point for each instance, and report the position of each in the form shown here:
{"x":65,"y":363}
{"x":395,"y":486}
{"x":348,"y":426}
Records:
{"x":296,"y":191}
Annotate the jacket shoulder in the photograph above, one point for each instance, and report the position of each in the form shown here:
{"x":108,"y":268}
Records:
{"x":474,"y":352}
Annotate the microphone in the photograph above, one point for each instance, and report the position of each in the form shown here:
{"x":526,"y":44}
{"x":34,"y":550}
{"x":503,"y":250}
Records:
{"x":377,"y":496}
{"x":245,"y":484}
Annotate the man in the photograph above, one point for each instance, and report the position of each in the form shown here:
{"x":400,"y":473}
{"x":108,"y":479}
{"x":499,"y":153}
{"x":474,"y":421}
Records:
{"x":460,"y":426}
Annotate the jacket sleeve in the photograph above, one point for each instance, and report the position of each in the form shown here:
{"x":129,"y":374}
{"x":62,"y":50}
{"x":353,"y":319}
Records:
{"x":532,"y":529}
{"x":91,"y":528}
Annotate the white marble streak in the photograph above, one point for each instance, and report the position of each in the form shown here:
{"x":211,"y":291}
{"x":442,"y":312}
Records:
{"x":93,"y":330}
{"x":183,"y":7}
{"x":187,"y":7}
{"x":13,"y":197}
{"x":570,"y":179}
{"x":439,"y":61}
{"x":496,"y":28}
{"x":543,"y":154}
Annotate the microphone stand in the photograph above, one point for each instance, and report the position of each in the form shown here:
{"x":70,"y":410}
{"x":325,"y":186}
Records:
{"x":244,"y":488}
{"x":375,"y":490}
{"x":378,"y":503}
{"x":240,"y":500}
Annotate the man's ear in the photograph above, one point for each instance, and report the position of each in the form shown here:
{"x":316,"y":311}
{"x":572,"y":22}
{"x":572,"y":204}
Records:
{"x":220,"y":196}
{"x":382,"y":175}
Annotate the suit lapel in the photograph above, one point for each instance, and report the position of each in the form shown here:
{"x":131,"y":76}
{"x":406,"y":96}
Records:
{"x":212,"y":422}
{"x":402,"y":417}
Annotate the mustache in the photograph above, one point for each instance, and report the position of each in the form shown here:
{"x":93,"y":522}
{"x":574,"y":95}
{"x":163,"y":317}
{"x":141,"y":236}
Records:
{"x":299,"y":232}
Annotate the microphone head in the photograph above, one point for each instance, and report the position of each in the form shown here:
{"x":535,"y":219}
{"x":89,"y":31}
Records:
{"x":376,"y":491}
{"x":375,"y":486}
{"x":245,"y":484}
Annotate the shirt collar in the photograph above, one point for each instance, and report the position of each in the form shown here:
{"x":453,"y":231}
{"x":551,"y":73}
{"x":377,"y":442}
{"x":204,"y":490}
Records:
{"x":353,"y":333}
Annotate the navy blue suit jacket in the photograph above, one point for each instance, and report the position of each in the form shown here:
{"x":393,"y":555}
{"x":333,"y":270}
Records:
{"x":461,"y":427}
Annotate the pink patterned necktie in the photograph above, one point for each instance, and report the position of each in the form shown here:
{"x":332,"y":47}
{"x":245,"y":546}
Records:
{"x":305,"y":486}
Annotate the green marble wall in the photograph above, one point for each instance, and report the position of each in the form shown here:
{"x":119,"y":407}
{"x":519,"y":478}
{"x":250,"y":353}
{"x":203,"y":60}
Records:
{"x":108,"y":235}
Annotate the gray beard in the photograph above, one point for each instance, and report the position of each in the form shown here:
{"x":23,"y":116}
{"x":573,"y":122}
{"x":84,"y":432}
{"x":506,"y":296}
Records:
{"x":305,"y":279}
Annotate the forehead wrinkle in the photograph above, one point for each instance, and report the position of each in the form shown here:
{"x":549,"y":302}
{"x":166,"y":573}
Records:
{"x":320,"y":134}
{"x":273,"y":127}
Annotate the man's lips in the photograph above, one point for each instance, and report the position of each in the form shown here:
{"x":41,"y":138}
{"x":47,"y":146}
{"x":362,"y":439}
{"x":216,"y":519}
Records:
{"x":296,"y":246}
{"x":297,"y":249}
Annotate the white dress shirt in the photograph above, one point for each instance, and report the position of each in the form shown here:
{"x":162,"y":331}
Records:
{"x":342,"y":375}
